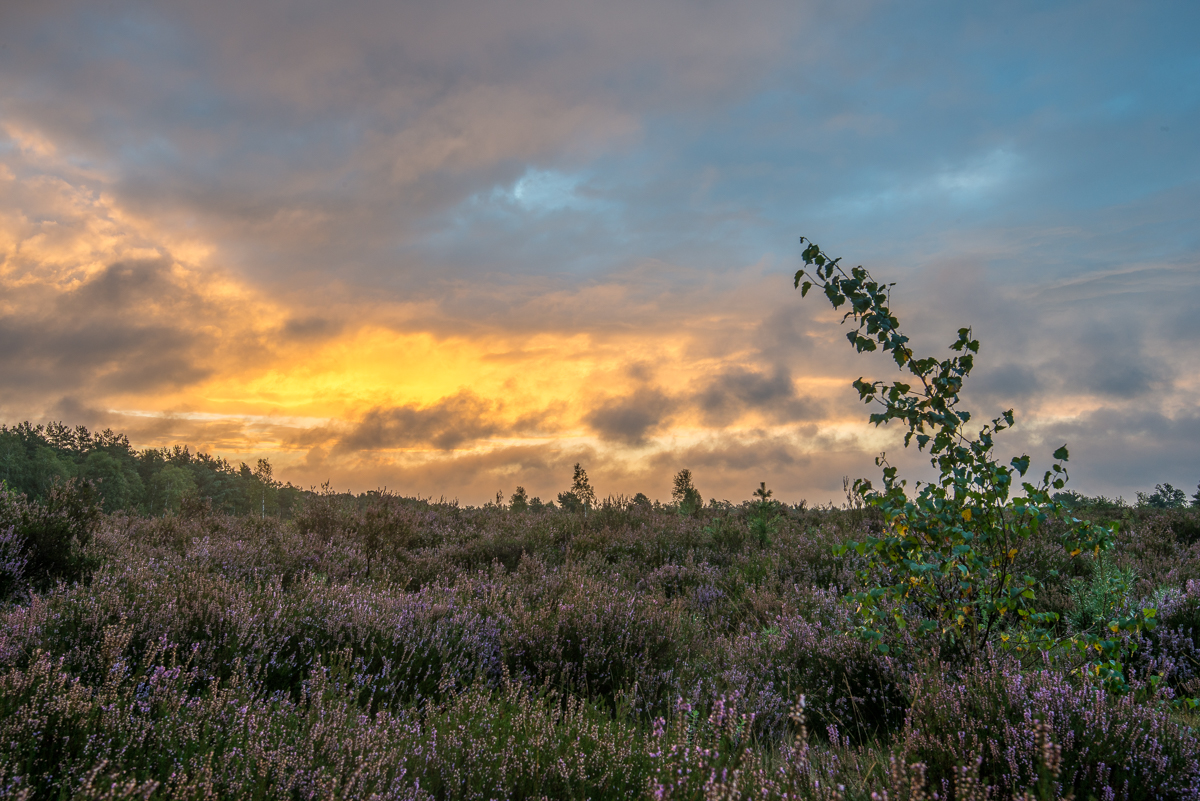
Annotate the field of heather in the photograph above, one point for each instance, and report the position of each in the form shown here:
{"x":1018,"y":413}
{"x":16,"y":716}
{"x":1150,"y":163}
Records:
{"x":384,"y":647}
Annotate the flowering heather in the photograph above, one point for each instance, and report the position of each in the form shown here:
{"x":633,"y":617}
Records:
{"x":1112,"y":747}
{"x":392,"y":648}
{"x":12,"y":560}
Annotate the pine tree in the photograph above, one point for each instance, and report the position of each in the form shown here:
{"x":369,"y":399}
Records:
{"x":581,"y":488}
{"x":581,"y":496}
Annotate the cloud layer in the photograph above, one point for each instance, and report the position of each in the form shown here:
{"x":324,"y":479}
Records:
{"x":453,"y":248}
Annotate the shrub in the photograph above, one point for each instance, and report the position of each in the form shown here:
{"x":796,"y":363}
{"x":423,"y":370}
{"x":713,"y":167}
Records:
{"x":764,"y":516}
{"x":587,"y":636}
{"x":53,"y":534}
{"x":1164,"y":497}
{"x":12,"y":561}
{"x":1112,"y":747}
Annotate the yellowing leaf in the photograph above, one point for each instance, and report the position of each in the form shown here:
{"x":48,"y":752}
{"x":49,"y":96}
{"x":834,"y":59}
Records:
{"x":1076,"y":552}
{"x":1012,"y":554}
{"x":967,"y":515}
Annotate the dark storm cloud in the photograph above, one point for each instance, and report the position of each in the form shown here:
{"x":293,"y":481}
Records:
{"x":311,"y":328}
{"x":453,"y":421}
{"x":1006,"y":383}
{"x":121,"y":287}
{"x":327,"y":138}
{"x":129,"y":328}
{"x":735,"y":391}
{"x":1119,"y":363}
{"x":782,"y":337}
{"x":1145,"y":442}
{"x":632,"y":418}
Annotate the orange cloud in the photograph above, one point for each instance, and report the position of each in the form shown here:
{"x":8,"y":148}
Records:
{"x":114,"y":318}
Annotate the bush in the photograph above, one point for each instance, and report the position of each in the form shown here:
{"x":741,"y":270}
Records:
{"x":52,"y":535}
{"x":1112,"y":747}
{"x":12,"y":561}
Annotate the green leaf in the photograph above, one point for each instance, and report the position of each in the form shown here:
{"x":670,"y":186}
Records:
{"x":1061,"y":454}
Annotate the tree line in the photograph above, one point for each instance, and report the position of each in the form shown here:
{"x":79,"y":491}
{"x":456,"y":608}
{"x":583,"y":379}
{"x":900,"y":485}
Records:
{"x":152,"y":481}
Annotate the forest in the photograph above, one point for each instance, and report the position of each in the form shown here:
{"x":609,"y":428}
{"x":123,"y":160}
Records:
{"x":34,"y":458}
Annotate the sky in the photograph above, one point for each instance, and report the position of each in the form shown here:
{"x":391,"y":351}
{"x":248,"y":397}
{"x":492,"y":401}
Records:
{"x":452,"y":248}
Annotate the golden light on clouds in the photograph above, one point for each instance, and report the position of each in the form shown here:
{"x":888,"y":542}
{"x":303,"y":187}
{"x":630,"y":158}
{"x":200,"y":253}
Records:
{"x":355,"y":388}
{"x":626,"y":374}
{"x":452,"y":249}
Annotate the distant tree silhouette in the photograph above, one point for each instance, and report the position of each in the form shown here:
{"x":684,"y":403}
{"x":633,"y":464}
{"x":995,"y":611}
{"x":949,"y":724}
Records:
{"x":581,"y":496}
{"x":519,"y":501}
{"x":685,"y":494}
{"x":1164,"y":497}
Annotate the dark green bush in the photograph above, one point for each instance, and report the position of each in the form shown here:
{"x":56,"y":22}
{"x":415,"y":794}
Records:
{"x":53,"y":533}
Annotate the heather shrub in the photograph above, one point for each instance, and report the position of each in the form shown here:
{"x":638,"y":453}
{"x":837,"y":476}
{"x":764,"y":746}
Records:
{"x":484,"y":544}
{"x":145,"y":722}
{"x":1172,"y":651}
{"x":1185,"y":524}
{"x":846,"y":683}
{"x":408,"y":644}
{"x":696,"y":585}
{"x":806,"y":550}
{"x":326,"y":513}
{"x":246,"y":548}
{"x":148,"y":727}
{"x":1112,"y":746}
{"x":587,"y":636}
{"x":53,"y":534}
{"x":1148,"y":544}
{"x":12,"y":561}
{"x":484,"y":652}
{"x":727,"y":532}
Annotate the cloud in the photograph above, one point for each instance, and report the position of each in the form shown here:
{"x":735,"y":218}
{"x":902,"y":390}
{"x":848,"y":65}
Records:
{"x":1006,"y":383}
{"x":450,"y":422}
{"x":311,"y":327}
{"x":125,"y":329}
{"x":1145,"y":438}
{"x":488,"y":125}
{"x":631,"y":418}
{"x":474,"y":242}
{"x":1121,"y":367}
{"x":737,"y":390}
